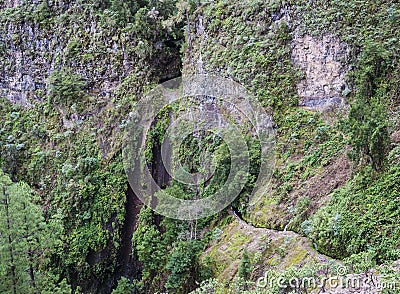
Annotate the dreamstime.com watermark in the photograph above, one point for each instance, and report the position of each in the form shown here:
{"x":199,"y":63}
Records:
{"x":328,"y":284}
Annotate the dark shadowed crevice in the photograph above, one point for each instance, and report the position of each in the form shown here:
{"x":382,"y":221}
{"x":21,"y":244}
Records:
{"x":159,"y":172}
{"x":126,"y":265}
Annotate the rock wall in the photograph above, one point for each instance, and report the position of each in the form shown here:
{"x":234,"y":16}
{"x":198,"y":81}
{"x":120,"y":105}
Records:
{"x":38,"y":37}
{"x":240,"y":50}
{"x":323,"y":62}
{"x":115,"y":56}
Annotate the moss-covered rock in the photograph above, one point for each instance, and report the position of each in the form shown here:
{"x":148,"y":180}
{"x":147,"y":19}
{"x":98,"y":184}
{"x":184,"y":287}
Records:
{"x":268,"y":249}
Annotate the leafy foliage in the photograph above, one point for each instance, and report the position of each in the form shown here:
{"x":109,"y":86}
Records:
{"x":66,"y":86}
{"x":245,"y":266}
{"x":147,"y":244}
{"x":184,"y":266}
{"x":76,"y":167}
{"x":124,"y":287}
{"x":368,"y":118}
{"x":362,"y":216}
{"x":25,"y":242}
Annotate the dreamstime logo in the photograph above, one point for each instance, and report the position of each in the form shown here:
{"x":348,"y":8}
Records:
{"x":332,"y":283}
{"x":190,"y":107}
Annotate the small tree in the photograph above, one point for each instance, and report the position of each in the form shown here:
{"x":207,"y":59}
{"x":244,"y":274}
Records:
{"x":124,"y":287}
{"x":182,"y":12}
{"x":184,"y":267}
{"x":66,"y":86}
{"x":245,"y":266}
{"x":24,"y":238}
{"x":147,"y":245}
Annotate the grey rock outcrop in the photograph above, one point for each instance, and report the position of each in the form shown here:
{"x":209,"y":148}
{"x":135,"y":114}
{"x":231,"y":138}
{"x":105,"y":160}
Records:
{"x":323,"y":62}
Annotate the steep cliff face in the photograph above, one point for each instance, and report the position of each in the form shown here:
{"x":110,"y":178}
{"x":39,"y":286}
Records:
{"x":100,"y":46}
{"x":269,"y":49}
{"x":301,"y":62}
{"x":322,"y":60}
{"x":72,"y":71}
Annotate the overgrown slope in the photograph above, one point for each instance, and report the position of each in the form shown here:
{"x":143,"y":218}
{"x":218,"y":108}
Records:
{"x":328,"y":73}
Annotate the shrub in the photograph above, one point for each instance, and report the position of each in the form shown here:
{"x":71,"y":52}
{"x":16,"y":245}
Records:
{"x":66,"y":86}
{"x":368,"y":123}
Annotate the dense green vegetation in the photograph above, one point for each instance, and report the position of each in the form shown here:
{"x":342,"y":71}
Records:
{"x":64,"y":193}
{"x":84,"y":184}
{"x":27,"y":241}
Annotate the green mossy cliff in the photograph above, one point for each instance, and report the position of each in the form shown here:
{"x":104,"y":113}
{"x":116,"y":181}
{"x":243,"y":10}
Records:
{"x":327,"y":72}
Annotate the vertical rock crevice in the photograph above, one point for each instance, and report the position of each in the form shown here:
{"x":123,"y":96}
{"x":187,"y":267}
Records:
{"x":126,"y":265}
